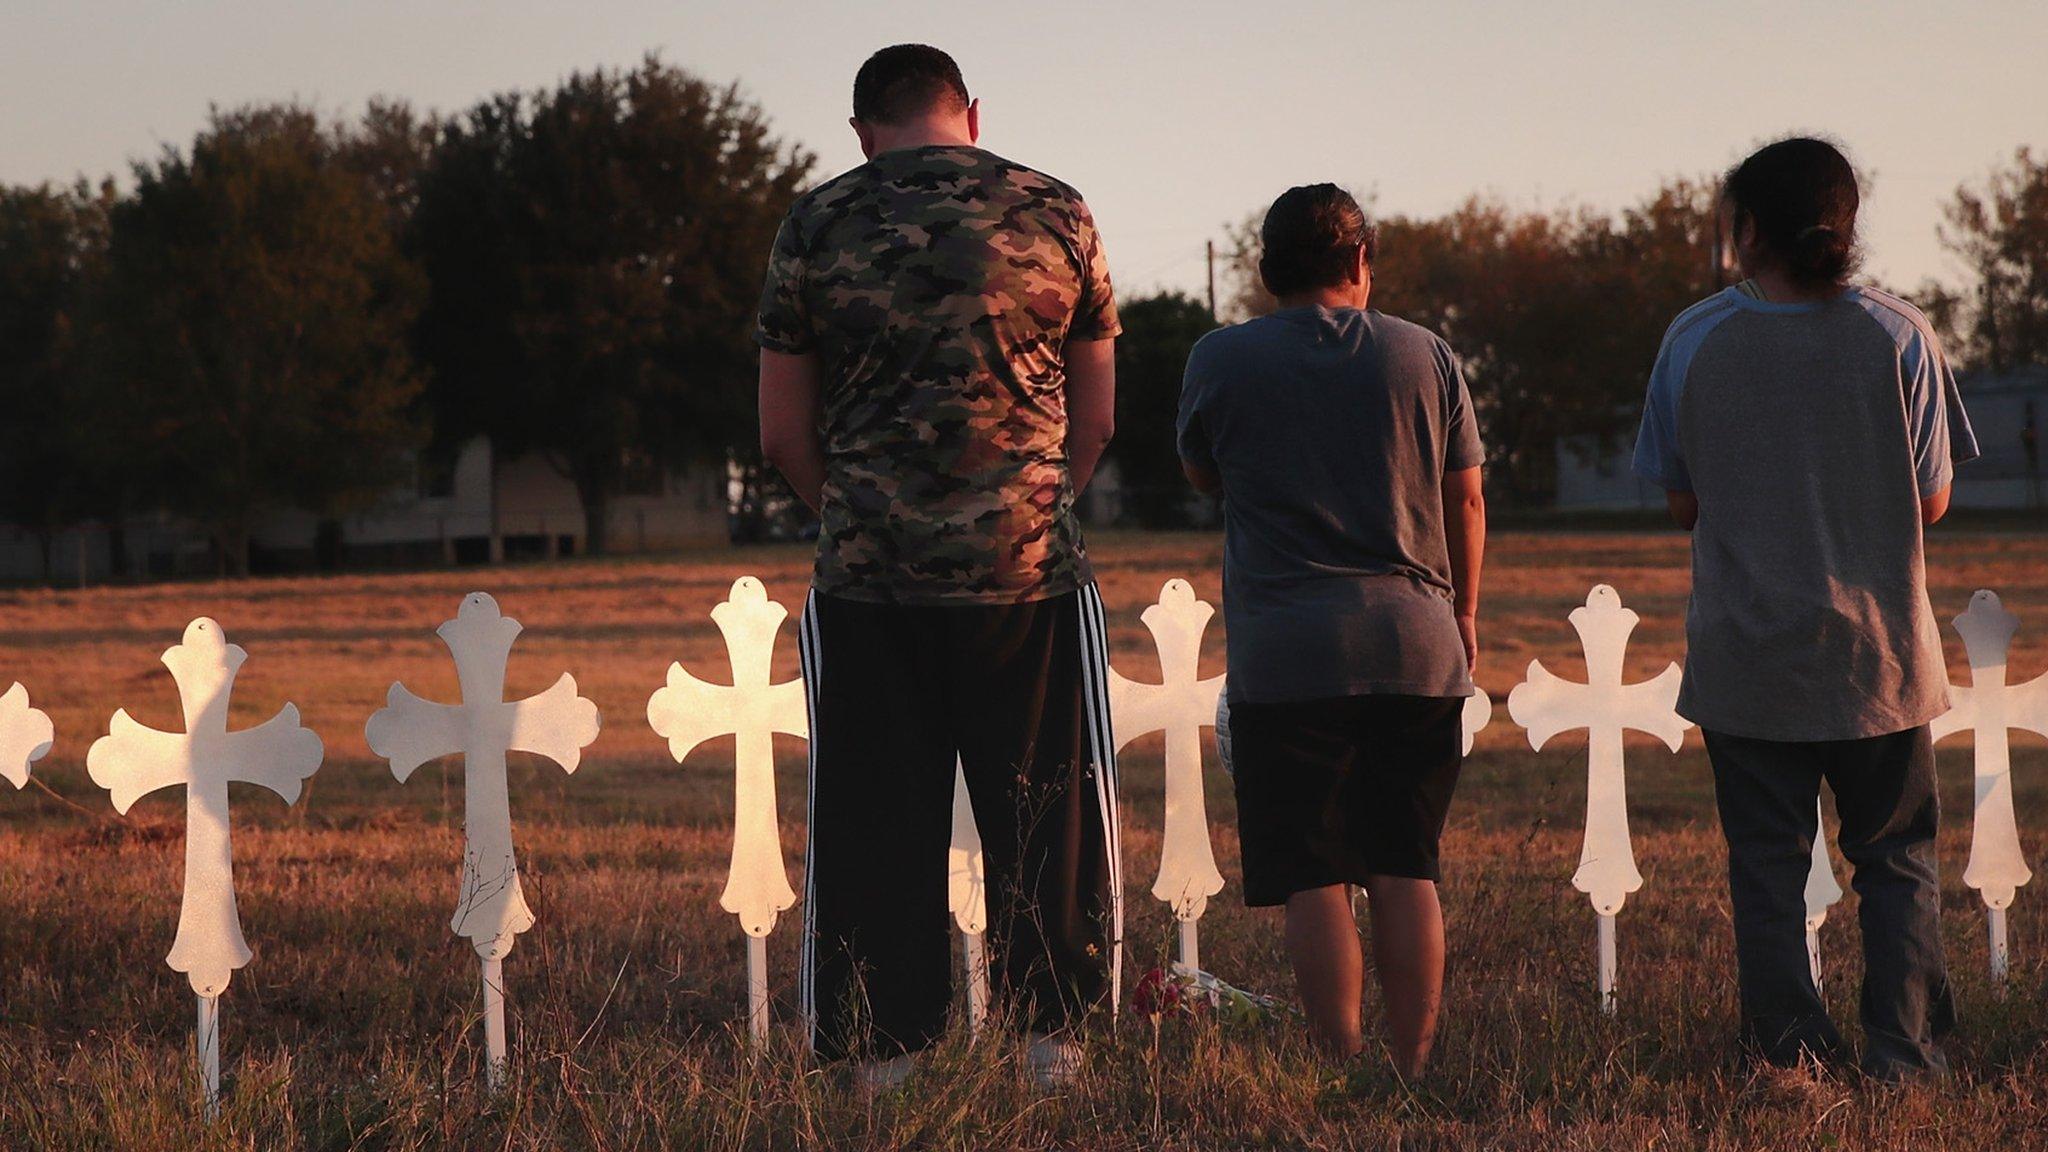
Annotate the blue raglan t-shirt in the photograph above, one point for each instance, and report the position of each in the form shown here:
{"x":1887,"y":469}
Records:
{"x":1809,"y":432}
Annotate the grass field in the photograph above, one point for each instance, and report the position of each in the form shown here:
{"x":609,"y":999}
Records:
{"x":355,"y":1026}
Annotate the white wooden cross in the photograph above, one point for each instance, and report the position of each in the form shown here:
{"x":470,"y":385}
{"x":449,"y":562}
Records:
{"x":1822,"y":892}
{"x":1604,"y":706}
{"x":133,"y":760}
{"x":1181,"y":705}
{"x":689,"y":711}
{"x":1989,"y":708}
{"x":1477,"y":715}
{"x":25,"y":736}
{"x":967,"y":898}
{"x":490,"y":908}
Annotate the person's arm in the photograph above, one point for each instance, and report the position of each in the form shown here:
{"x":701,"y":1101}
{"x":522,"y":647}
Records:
{"x":791,"y":374}
{"x":1933,"y":508}
{"x":1091,"y":406}
{"x":1190,"y":430}
{"x":1206,"y":480}
{"x":789,"y":422}
{"x":1464,"y":498}
{"x":1940,"y":427}
{"x":1685,"y":509}
{"x":1659,"y":458}
{"x":1090,"y":354}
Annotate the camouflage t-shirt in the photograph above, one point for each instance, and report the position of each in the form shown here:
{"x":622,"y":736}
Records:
{"x":938,"y":286}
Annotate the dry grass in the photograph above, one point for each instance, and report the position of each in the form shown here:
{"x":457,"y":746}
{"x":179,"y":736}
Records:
{"x":355,"y":1025}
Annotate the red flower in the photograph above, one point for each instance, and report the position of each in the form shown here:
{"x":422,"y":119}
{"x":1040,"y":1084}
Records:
{"x":1157,"y":993}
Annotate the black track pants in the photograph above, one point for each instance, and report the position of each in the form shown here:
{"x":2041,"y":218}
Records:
{"x":1018,"y":694}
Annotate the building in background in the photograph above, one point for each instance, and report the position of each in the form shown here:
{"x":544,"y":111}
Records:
{"x":2008,"y":411}
{"x":471,"y":509}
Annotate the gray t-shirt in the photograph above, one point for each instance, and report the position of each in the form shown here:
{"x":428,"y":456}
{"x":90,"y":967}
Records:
{"x":1332,"y":431}
{"x":1810,"y":432}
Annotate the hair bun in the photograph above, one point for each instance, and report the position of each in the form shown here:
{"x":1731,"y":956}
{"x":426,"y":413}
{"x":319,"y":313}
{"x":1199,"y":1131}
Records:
{"x":1801,"y":196}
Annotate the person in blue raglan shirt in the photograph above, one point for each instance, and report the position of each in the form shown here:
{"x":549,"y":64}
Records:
{"x":1806,"y":431}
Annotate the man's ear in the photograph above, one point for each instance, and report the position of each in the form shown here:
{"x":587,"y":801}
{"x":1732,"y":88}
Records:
{"x":974,"y":121}
{"x":1743,"y":232}
{"x":1364,"y":279}
{"x":866,"y":135}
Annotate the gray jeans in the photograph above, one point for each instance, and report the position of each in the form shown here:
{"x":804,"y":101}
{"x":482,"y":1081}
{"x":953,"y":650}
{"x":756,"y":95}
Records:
{"x":1885,"y":797}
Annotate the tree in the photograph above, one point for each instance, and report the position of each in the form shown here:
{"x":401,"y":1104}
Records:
{"x":2001,"y":231}
{"x":1501,"y":287}
{"x":255,"y":321}
{"x":1948,"y":310}
{"x":390,"y":149}
{"x":52,"y":252}
{"x":1621,"y":281}
{"x":1151,"y":356}
{"x":1244,"y":294}
{"x":595,"y":256}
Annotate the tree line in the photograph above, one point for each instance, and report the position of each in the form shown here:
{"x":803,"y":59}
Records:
{"x":1557,"y":315}
{"x":291,"y":309}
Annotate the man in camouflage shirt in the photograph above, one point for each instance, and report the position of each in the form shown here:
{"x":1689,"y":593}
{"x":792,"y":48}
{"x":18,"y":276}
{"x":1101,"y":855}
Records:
{"x":937,"y":334}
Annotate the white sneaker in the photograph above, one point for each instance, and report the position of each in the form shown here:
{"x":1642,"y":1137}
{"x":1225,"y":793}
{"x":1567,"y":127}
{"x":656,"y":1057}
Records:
{"x":877,"y":1075}
{"x":1054,"y":1062}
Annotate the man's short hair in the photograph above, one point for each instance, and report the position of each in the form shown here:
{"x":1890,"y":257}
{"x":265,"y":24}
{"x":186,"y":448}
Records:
{"x":1311,"y":235}
{"x":906,"y":81}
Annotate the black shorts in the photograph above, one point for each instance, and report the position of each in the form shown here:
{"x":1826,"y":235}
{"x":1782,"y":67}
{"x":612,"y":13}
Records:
{"x":1333,"y":791}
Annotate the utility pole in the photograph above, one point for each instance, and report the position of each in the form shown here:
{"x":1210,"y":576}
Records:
{"x":1212,"y":281}
{"x":1719,"y":252}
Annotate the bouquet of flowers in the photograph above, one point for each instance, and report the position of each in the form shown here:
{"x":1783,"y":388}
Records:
{"x":1175,"y":992}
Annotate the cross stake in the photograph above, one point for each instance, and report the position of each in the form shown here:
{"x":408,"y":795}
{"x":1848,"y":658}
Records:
{"x":25,"y":736}
{"x":1821,"y":892}
{"x":133,"y":760}
{"x":490,"y":908}
{"x":1990,"y":708}
{"x":967,"y":898}
{"x":688,"y":711}
{"x":1180,"y":706}
{"x":1604,"y":706}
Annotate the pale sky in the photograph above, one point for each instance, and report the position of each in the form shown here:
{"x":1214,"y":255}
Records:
{"x":1172,"y":118}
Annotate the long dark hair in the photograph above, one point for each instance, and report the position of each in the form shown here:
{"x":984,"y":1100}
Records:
{"x":1800,"y":195}
{"x":1311,"y":235}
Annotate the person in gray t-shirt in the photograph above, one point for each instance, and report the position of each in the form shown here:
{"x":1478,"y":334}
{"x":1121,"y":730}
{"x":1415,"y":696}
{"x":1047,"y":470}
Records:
{"x":1344,"y":444}
{"x":1806,"y":431}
